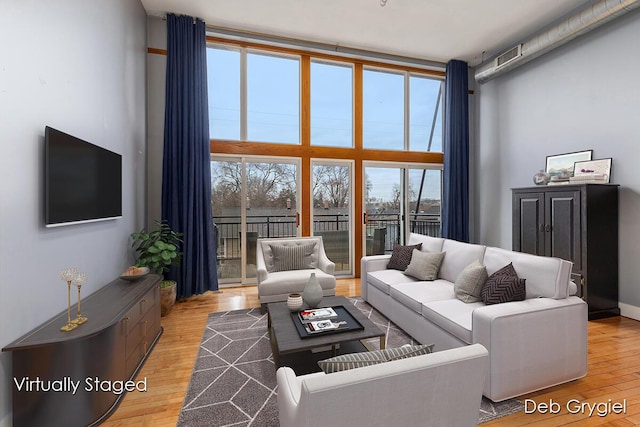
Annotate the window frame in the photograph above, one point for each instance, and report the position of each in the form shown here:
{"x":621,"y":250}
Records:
{"x":305,"y":151}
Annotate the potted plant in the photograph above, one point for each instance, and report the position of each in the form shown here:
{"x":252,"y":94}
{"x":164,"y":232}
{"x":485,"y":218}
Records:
{"x":159,"y":250}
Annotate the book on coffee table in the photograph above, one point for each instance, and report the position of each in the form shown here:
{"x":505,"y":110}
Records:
{"x":317,"y":314}
{"x":340,"y":320}
{"x":314,"y":327}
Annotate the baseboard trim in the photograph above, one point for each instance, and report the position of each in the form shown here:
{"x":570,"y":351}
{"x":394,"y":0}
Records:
{"x":630,"y":311}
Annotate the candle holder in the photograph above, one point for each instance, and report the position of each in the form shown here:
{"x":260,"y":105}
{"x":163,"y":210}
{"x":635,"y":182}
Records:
{"x":68,"y":276}
{"x":79,"y":280}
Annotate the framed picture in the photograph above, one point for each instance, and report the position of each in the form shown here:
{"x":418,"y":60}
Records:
{"x":594,"y":167}
{"x":561,"y":165}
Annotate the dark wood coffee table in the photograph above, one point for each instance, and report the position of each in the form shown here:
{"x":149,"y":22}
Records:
{"x":285,"y":339}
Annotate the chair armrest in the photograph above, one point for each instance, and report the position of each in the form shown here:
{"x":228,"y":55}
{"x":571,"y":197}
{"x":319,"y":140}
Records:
{"x":325,"y":264}
{"x":261,"y":275}
{"x":261,"y":266}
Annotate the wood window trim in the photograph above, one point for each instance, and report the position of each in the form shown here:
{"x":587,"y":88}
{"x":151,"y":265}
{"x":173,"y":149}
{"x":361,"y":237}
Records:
{"x":305,"y":151}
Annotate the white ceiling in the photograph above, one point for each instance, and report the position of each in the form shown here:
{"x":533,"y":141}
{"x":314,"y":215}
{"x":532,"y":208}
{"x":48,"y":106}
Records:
{"x":435,"y":30}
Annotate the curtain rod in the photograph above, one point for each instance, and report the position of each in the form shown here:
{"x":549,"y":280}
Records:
{"x":321,"y":47}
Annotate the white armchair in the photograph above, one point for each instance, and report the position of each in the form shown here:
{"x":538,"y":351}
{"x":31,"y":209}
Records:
{"x":284,"y":266}
{"x":437,"y":389}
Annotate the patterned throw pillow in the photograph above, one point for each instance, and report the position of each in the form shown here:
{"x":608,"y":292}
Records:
{"x":424,"y":265}
{"x":401,"y":256}
{"x":368,"y":358}
{"x":293,"y":257}
{"x":407,"y":351}
{"x":469,"y":283}
{"x":504,"y":286}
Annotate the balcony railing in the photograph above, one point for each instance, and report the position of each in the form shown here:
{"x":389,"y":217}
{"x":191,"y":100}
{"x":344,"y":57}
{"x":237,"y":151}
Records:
{"x":383,"y":231}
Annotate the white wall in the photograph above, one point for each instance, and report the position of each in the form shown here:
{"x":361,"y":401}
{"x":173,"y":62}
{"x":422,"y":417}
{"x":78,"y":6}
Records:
{"x":585,"y":95}
{"x":156,"y":82}
{"x":77,"y":66}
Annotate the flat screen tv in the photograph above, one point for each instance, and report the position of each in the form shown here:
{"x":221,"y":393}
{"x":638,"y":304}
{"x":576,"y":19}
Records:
{"x":83,"y":182}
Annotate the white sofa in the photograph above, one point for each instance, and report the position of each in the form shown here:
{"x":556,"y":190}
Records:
{"x":533,"y":344}
{"x":437,"y":389}
{"x":277,"y":285}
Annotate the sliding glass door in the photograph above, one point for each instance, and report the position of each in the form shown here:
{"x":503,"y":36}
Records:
{"x":384,"y":207}
{"x":332,"y":210}
{"x":251,"y":198}
{"x":399,"y":199}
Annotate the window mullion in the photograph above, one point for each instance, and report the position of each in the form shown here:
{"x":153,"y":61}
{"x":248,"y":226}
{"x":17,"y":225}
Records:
{"x":243,"y":94}
{"x":407,"y":113}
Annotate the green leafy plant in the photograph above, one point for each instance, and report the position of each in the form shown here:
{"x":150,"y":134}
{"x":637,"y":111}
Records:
{"x":157,"y":249}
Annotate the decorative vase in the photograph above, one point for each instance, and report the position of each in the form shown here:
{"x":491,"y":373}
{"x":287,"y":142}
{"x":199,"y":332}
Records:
{"x":294,"y":302}
{"x":541,"y":178}
{"x":312,"y":294}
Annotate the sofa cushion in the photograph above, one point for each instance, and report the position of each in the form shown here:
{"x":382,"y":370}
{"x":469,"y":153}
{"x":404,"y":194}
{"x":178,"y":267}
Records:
{"x":453,"y":315}
{"x":429,"y":244}
{"x":413,"y":294}
{"x":546,"y":276}
{"x":382,"y":279}
{"x":459,"y":255}
{"x":504,"y":286}
{"x":286,"y":282}
{"x":401,"y":256}
{"x":424,"y":265}
{"x":469,"y":283}
{"x":368,"y":358}
{"x":293,"y":257}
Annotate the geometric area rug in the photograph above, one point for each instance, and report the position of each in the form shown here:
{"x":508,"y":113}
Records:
{"x":233,"y":382}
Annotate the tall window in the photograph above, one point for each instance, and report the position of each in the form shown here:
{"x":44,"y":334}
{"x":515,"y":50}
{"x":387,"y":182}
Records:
{"x":337,"y":118}
{"x":331,"y":104}
{"x":382,"y":110}
{"x":258,"y":101}
{"x":223,"y":78}
{"x":401,"y":111}
{"x":425,"y":114}
{"x":273,"y":98}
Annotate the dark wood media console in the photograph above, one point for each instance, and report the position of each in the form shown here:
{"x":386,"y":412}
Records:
{"x":85,"y":371}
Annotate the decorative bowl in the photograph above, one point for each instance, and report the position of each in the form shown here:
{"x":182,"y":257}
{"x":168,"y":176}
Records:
{"x":136,"y":274}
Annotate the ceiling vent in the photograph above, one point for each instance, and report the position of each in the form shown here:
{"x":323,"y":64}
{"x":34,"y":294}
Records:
{"x":508,"y":56}
{"x":589,"y":18}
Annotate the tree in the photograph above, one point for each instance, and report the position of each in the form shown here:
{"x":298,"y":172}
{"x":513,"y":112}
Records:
{"x":331,"y":183}
{"x":267,"y":184}
{"x":226,"y":182}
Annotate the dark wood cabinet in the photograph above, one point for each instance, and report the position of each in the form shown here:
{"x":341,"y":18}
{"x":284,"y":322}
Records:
{"x":74,"y":378}
{"x":578,"y":223}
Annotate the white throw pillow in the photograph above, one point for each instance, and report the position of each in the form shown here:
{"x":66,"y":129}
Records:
{"x":469,"y":283}
{"x":293,"y":257}
{"x":424,"y":265}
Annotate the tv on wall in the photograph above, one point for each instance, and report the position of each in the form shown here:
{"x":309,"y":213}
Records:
{"x":83,"y":182}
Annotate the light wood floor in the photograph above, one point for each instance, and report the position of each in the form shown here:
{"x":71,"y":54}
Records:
{"x":613,"y":373}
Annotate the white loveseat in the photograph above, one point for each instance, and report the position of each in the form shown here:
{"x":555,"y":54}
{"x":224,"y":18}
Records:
{"x":275,"y":284}
{"x":437,"y":389}
{"x":533,"y":344}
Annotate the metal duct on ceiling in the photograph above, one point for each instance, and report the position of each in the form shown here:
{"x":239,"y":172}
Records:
{"x":590,"y":18}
